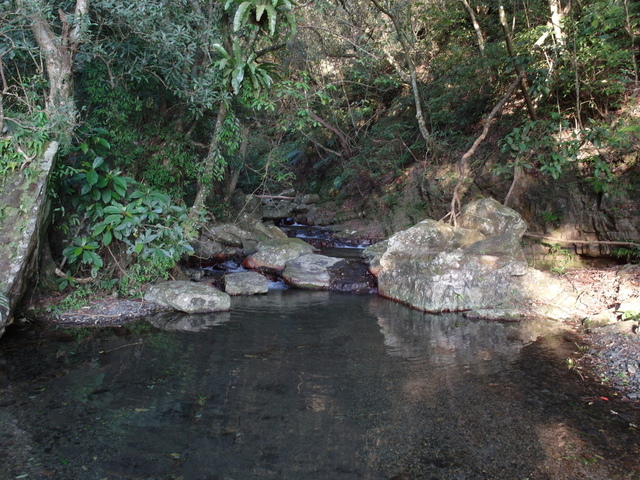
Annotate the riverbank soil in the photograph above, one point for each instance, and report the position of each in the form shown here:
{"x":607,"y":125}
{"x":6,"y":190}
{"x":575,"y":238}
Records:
{"x":611,"y":353}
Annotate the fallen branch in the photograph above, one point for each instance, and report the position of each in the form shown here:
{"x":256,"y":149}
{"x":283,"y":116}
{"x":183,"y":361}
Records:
{"x":276,"y":197}
{"x":61,"y":274}
{"x":122,"y":346}
{"x":80,"y":314}
{"x":581,"y":242}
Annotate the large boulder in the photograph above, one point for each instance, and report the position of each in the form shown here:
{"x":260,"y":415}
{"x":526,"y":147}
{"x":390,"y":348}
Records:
{"x":275,"y":253}
{"x":319,"y":272}
{"x":309,"y":271}
{"x":188,"y":297}
{"x":491,"y":218}
{"x":24,"y":215}
{"x":245,"y":283}
{"x":477,"y":267}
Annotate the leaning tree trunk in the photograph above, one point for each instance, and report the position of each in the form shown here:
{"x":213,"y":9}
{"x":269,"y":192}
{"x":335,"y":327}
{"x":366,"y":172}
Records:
{"x":23,"y":193}
{"x":464,"y":162}
{"x":211,"y":162}
{"x":476,"y":26}
{"x":58,"y":52}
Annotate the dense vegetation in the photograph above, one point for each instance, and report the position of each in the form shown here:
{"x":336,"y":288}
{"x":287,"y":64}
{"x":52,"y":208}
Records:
{"x":164,"y":108}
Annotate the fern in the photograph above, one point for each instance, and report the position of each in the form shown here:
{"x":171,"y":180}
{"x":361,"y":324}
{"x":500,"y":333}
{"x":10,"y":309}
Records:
{"x":241,"y":16}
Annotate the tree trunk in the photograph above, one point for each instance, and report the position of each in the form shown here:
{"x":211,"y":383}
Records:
{"x":628,"y":26}
{"x":205,"y":184}
{"x":58,"y":52}
{"x":424,"y":131}
{"x":476,"y":26}
{"x":463,"y":163}
{"x":519,"y":70}
{"x":557,"y":16}
{"x":234,"y":171}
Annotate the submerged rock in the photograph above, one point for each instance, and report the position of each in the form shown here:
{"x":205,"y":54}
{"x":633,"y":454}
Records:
{"x":188,"y":297}
{"x":245,"y":283}
{"x":478,"y":267}
{"x":195,"y":322}
{"x":351,"y":275}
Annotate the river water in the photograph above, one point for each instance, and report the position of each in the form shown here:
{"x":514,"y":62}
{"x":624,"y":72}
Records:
{"x":304,"y":385}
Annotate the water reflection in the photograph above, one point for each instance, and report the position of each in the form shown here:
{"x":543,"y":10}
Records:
{"x":291,"y":385}
{"x":188,"y":322}
{"x":444,"y":340}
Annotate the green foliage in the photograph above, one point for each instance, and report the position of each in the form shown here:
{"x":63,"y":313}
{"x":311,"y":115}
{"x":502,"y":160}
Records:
{"x":262,"y":13}
{"x":116,"y":213}
{"x":542,"y":145}
{"x":78,"y":298}
{"x":238,"y":68}
{"x":153,"y":150}
{"x":463,"y":87}
{"x":611,"y":145}
{"x":561,"y":258}
{"x":629,"y":254}
{"x":145,"y":271}
{"x":602,"y":57}
{"x":83,"y":250}
{"x":24,"y":142}
{"x":551,"y":217}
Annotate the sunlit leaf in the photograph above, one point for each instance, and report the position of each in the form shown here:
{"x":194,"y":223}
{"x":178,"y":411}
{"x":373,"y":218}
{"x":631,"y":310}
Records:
{"x":92,"y":177}
{"x":241,"y":16}
{"x":97,"y":162}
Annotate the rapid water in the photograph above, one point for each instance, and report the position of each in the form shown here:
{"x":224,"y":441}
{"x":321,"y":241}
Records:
{"x":305,"y":386}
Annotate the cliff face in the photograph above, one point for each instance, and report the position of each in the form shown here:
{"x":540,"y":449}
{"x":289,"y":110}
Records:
{"x":24,"y":214}
{"x":571,"y":209}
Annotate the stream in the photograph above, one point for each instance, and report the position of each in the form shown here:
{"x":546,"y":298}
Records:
{"x":305,"y":385}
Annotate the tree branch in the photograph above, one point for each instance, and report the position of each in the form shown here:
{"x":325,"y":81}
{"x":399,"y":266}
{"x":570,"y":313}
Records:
{"x":412,"y":73}
{"x":581,"y":242}
{"x":270,"y":49}
{"x":342,"y":137}
{"x":524,"y":85}
{"x":463,"y":163}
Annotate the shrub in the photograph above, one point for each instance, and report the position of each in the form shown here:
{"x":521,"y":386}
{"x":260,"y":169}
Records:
{"x":116,"y":215}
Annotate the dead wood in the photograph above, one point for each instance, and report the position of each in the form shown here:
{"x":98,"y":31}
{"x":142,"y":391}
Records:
{"x":580,"y":242}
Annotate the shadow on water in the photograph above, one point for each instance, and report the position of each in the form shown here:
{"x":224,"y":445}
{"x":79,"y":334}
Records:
{"x":303,"y":385}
